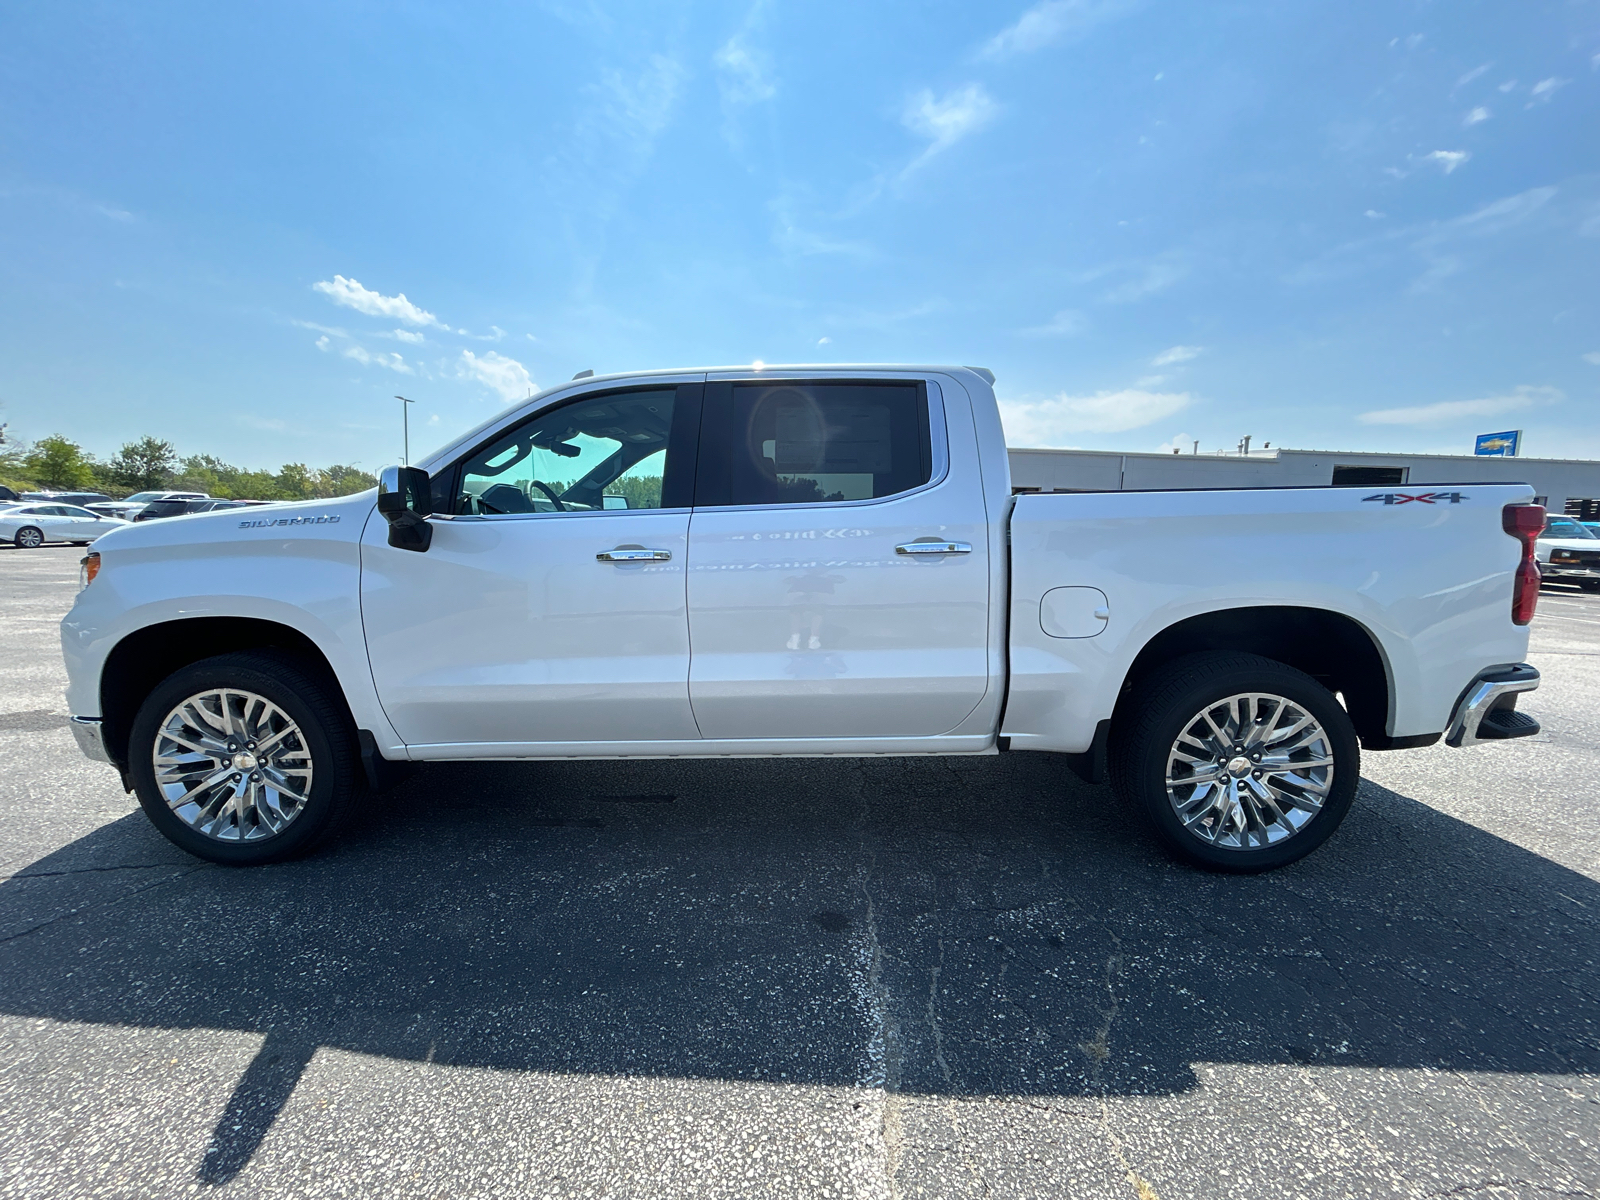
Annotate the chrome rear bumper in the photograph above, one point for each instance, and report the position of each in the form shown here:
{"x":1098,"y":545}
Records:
{"x":1487,"y":710}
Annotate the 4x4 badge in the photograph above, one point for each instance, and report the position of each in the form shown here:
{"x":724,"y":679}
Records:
{"x":1419,"y":498}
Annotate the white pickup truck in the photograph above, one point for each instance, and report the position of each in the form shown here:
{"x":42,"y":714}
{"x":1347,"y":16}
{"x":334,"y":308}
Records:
{"x":796,"y":561}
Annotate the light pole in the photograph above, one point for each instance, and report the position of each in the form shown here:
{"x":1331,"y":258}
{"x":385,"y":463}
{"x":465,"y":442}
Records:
{"x":405,"y":425}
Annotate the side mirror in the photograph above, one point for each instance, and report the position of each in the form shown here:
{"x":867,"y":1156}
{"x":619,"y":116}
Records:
{"x":404,"y":500}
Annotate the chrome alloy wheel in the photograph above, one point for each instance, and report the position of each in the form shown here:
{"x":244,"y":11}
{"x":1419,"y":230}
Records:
{"x":232,"y":765}
{"x":1248,"y":771}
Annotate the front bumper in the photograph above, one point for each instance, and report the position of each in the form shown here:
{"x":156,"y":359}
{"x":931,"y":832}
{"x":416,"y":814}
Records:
{"x":1487,"y":710}
{"x":88,"y":732}
{"x":1568,"y":571}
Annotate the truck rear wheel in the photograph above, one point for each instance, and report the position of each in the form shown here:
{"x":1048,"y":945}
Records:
{"x":243,"y":759}
{"x":1241,"y":763}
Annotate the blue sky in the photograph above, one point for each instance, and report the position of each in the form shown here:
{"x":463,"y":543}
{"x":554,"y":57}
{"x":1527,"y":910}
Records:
{"x":1340,"y":225}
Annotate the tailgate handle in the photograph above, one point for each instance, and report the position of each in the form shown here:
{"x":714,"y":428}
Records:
{"x":933,"y":548}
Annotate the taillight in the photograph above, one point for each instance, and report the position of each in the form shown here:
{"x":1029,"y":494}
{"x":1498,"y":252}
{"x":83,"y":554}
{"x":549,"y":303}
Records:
{"x":1525,"y":522}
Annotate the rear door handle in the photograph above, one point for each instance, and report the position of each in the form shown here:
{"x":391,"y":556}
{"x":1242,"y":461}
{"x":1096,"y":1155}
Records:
{"x":933,"y":548}
{"x":634,"y":556}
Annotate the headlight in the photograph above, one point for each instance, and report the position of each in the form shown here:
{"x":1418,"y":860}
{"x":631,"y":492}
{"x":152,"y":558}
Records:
{"x":88,"y":568}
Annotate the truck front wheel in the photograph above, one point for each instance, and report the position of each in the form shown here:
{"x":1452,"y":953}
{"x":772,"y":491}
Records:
{"x":243,"y":759}
{"x":1241,"y":763}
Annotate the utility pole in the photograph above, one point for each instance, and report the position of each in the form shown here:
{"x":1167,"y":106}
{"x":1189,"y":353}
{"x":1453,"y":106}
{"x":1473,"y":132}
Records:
{"x":405,"y":425}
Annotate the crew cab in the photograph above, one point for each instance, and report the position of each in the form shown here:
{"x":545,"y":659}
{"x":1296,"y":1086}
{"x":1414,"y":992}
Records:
{"x":796,"y":561}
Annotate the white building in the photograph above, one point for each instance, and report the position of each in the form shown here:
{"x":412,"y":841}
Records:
{"x":1555,"y":481}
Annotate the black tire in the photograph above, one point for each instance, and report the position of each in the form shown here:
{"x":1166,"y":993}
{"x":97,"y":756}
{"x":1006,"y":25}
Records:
{"x":328,"y":736}
{"x":1150,"y":720}
{"x":29,"y":537}
{"x":1589,"y":585}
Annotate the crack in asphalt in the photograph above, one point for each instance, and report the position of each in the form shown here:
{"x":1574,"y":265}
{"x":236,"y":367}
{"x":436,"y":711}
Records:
{"x":121,"y":899}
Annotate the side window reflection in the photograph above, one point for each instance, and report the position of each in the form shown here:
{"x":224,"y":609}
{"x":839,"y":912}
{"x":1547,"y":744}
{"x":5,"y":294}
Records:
{"x":608,"y":452}
{"x":820,"y":443}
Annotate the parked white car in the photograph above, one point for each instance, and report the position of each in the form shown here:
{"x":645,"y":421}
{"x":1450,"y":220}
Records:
{"x":126,"y":508}
{"x":1568,"y":550}
{"x":28,"y":526}
{"x":812,"y":560}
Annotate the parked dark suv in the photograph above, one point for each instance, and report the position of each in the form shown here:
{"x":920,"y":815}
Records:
{"x":178,"y":508}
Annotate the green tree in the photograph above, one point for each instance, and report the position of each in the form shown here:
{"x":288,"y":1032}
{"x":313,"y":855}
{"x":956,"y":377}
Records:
{"x":143,"y":465}
{"x":297,"y":482}
{"x":347,"y":480}
{"x":60,"y":465}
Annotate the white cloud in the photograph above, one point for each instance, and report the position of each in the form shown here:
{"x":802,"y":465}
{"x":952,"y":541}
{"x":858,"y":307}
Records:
{"x":946,"y":121}
{"x":1046,"y":422}
{"x":744,"y":73}
{"x":791,"y":238}
{"x":823,"y":341}
{"x":1508,"y":85}
{"x":1476,"y":115}
{"x":1373,"y":214}
{"x":1180,"y":442}
{"x":330,"y":330}
{"x":1177,"y":354}
{"x":505,"y":375}
{"x":405,"y":335}
{"x":1473,"y":74}
{"x":1544,"y":89}
{"x":374,"y":304}
{"x":1447,"y":160}
{"x":367,"y":359}
{"x":635,"y":106}
{"x":1147,"y":280}
{"x":1048,"y":22}
{"x":1445,"y":411}
{"x":1066,"y":323}
{"x":322,"y":342}
{"x":1593,"y":357}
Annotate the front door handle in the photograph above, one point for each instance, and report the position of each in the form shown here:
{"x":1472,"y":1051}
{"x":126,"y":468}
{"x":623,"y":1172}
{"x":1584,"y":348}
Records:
{"x":633,"y":556}
{"x":933,"y":548}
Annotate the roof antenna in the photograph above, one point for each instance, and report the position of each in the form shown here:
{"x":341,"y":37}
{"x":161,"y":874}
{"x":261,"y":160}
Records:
{"x":584,"y":374}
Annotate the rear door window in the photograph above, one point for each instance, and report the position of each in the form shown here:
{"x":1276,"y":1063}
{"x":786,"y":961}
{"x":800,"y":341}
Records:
{"x":812,"y":443}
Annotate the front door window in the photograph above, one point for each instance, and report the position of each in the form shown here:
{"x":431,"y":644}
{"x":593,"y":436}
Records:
{"x":602,"y":454}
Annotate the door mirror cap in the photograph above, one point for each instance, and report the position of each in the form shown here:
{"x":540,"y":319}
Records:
{"x":404,"y":490}
{"x":405,"y":500}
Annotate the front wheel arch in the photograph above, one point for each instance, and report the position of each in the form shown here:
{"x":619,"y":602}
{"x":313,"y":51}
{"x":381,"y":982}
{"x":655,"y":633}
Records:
{"x":139,"y":662}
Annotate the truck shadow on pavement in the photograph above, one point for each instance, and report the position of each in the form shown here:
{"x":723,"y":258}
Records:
{"x":935,"y":926}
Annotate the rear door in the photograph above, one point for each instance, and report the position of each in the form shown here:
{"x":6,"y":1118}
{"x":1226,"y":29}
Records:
{"x":839,"y":573}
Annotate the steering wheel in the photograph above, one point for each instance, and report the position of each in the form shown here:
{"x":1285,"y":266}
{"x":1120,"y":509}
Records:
{"x":554,"y":499}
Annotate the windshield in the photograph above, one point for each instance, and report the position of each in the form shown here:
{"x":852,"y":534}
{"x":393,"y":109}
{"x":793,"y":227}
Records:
{"x":146,"y":497}
{"x":1561,"y":527}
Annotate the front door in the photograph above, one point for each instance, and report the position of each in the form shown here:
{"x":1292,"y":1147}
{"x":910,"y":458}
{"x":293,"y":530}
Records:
{"x":838,"y":567}
{"x":550,"y":607}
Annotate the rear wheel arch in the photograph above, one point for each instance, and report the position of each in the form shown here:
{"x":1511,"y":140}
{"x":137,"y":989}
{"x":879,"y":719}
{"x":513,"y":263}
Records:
{"x":1336,"y":650}
{"x":138,"y":663}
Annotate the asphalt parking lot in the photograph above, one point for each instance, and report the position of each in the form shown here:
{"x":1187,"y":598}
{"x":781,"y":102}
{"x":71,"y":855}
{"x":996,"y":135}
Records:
{"x":890,"y":978}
